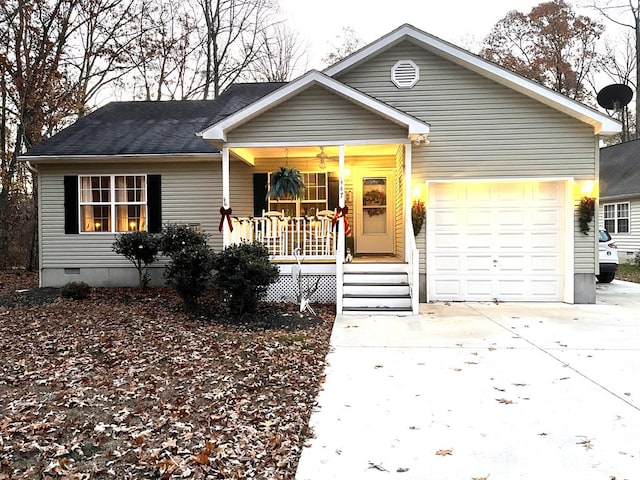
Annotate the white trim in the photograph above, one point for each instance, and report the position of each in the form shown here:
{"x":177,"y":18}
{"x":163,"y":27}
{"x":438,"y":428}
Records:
{"x":379,"y":141}
{"x":616,"y":218}
{"x":602,"y":124}
{"x":568,"y":294}
{"x":218,"y":131}
{"x":112,"y":204}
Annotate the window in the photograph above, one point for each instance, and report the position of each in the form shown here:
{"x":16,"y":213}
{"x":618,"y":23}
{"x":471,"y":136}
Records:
{"x":113,"y":203}
{"x":616,"y":217}
{"x":313,"y":200}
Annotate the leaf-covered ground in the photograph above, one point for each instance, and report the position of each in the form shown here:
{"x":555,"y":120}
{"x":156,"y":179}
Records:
{"x":124,"y":385}
{"x":628,"y":272}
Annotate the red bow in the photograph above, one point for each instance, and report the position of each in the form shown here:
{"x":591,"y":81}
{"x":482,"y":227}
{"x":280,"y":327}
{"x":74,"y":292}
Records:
{"x":342,"y":212}
{"x":225,"y":212}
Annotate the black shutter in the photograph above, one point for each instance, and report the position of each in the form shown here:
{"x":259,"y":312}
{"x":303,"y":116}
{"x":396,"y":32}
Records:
{"x":260,"y":189}
{"x":154,"y":203}
{"x":71,"y":204}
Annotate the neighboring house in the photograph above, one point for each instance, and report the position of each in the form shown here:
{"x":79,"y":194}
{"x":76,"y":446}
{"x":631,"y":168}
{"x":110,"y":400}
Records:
{"x":619,"y":211}
{"x":500,"y":162}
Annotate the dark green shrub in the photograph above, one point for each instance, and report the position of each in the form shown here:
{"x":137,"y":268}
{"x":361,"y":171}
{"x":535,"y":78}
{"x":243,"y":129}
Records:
{"x":141,"y":249}
{"x":75,"y":290}
{"x":190,"y":272}
{"x":176,"y":236}
{"x":244,"y":274}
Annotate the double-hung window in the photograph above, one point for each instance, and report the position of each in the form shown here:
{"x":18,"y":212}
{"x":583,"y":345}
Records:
{"x":616,"y":217}
{"x":113,"y":203}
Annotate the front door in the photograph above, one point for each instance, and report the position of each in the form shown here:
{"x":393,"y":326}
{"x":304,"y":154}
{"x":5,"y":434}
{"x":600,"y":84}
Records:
{"x":374,"y":220}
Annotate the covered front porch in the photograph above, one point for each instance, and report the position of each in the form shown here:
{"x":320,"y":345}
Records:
{"x":354,"y":156}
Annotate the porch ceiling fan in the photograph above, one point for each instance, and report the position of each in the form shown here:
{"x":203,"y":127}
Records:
{"x":323,"y":157}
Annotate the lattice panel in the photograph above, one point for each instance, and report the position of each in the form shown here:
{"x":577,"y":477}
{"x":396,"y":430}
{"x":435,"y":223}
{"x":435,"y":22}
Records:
{"x":286,"y":290}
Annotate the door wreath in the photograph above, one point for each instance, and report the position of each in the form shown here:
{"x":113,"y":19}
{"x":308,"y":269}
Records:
{"x":372,"y":198}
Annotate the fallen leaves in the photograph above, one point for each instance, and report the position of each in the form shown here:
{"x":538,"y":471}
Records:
{"x":504,"y":401}
{"x":444,"y":452}
{"x":124,"y":385}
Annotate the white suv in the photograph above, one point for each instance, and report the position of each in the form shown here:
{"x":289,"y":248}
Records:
{"x":608,"y":253}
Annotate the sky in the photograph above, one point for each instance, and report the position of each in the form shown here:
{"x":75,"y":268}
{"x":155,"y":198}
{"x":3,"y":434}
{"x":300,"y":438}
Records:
{"x":462,"y":22}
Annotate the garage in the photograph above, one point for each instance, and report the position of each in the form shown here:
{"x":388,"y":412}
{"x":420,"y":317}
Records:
{"x":498,"y":241}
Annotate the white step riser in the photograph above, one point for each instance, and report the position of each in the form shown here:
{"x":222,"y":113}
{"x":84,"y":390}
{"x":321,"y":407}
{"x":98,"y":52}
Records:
{"x":369,"y":313}
{"x":364,"y":303}
{"x":375,"y":278}
{"x":374,"y":267}
{"x":376,"y":289}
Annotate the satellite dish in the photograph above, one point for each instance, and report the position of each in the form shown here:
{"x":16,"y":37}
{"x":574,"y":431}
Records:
{"x":614,"y":97}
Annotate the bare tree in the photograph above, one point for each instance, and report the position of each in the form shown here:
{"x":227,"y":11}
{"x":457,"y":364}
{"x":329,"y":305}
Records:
{"x":233,"y":38}
{"x":96,"y":54}
{"x":626,"y":14}
{"x":348,"y":42}
{"x":37,"y":93}
{"x":551,"y":44}
{"x":166,"y":50}
{"x":281,"y":54}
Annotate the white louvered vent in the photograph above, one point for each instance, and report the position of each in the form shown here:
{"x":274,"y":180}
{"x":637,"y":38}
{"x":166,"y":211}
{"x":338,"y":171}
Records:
{"x":405,"y":74}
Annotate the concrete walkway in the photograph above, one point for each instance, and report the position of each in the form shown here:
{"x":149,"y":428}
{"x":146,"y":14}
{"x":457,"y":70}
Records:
{"x":483,"y":390}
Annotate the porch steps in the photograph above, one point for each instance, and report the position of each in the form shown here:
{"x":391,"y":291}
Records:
{"x":376,"y":289}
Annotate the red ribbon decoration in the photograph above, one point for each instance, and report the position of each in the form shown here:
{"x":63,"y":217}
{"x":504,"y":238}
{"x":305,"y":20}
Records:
{"x":225,"y":212}
{"x":342,"y":212}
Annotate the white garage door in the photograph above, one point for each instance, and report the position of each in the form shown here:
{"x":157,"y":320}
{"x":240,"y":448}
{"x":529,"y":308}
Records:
{"x":496,"y":241}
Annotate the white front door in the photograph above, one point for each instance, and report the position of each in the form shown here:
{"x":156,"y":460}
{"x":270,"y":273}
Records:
{"x":375,"y":212}
{"x":496,"y":241}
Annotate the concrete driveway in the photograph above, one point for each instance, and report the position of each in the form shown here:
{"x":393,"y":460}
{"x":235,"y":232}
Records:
{"x":483,"y":390}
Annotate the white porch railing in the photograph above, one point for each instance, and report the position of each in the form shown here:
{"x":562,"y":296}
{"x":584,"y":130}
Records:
{"x":282,"y":235}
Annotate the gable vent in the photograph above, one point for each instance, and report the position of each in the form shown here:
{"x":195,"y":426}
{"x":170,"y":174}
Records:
{"x":405,"y":74}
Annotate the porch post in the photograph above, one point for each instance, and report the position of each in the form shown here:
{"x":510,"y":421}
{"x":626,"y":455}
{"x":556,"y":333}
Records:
{"x":340,"y":247}
{"x":225,"y":192}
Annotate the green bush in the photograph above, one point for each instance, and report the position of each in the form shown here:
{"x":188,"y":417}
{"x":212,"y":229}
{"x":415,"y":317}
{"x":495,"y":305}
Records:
{"x":75,"y":290}
{"x":244,"y":274}
{"x":190,"y":272}
{"x":176,"y":237}
{"x":141,"y":249}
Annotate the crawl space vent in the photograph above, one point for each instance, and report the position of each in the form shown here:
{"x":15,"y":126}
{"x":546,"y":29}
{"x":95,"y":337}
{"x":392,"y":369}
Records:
{"x":405,"y":74}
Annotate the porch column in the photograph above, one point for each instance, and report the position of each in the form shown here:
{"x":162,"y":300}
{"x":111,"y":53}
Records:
{"x":225,"y":192}
{"x":340,"y":248}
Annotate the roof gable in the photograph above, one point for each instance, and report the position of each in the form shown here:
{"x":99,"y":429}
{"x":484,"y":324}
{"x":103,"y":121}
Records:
{"x":218,"y":132}
{"x":601,"y":123}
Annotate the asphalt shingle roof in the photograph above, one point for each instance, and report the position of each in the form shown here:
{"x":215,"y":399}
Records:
{"x":620,"y":169}
{"x":144,"y":127}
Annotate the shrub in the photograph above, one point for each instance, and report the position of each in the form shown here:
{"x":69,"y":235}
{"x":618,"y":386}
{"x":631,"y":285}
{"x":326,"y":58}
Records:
{"x":636,"y":259}
{"x":190,"y":272}
{"x":75,"y":290}
{"x":175,"y":237}
{"x":244,"y":274}
{"x":141,"y":249}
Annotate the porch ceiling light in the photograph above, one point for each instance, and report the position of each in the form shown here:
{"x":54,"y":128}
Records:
{"x":419,"y":139}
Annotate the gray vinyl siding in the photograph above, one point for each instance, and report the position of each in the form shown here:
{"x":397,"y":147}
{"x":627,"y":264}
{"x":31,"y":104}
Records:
{"x":628,"y":243}
{"x":190,"y":194}
{"x":316,"y":114}
{"x":481,"y":129}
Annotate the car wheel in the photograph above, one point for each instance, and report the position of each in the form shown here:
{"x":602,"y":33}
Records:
{"x":606,"y":277}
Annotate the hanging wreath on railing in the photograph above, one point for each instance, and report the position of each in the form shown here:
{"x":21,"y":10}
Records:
{"x":372,"y":198}
{"x":586,"y":211}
